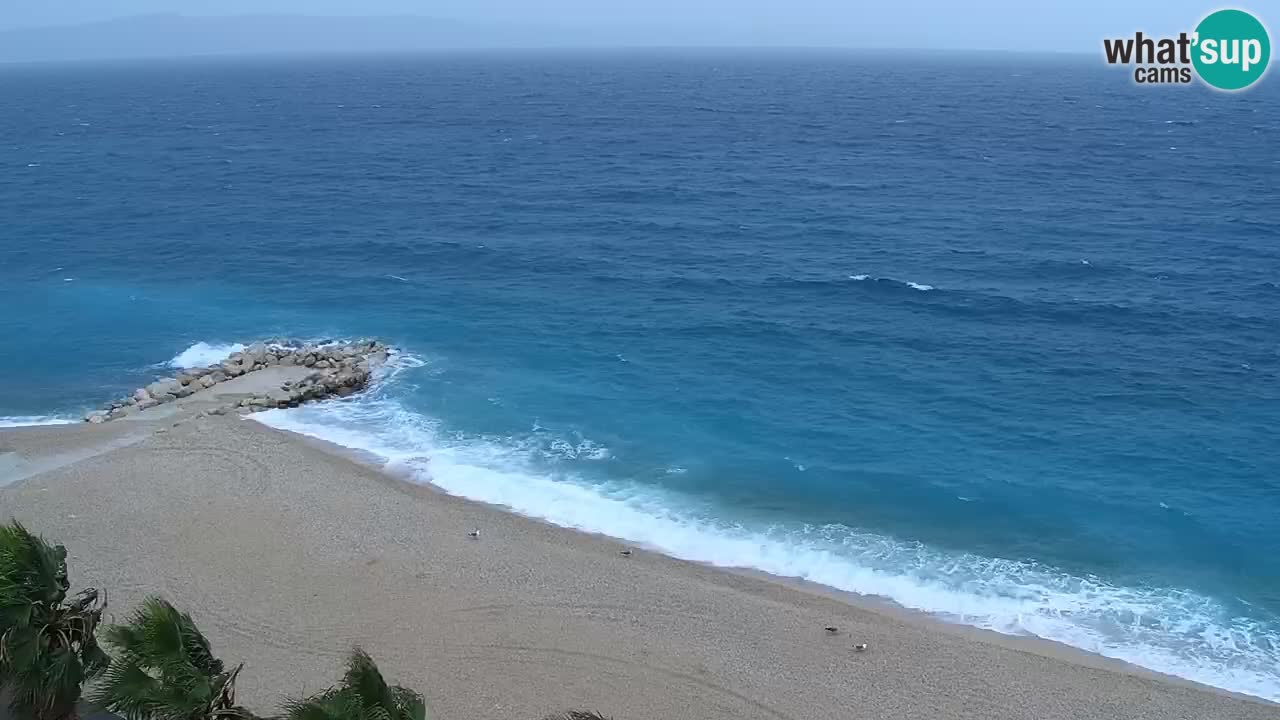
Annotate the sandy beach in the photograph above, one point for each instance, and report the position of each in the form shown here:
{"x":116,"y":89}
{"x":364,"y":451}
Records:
{"x":288,"y":553}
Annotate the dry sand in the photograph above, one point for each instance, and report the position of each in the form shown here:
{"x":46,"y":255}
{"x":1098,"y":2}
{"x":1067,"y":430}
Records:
{"x":288,"y":554}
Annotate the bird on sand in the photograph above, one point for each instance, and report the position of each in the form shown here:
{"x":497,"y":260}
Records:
{"x":860,"y":647}
{"x":832,"y":629}
{"x":474,"y":533}
{"x":625,"y":553}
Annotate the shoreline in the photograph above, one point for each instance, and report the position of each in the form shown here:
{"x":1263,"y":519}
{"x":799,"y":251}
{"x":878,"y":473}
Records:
{"x":874,"y":604}
{"x":138,"y":517}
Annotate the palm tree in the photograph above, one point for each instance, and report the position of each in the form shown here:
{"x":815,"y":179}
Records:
{"x":363,"y":695}
{"x":47,"y":643}
{"x":165,"y":670}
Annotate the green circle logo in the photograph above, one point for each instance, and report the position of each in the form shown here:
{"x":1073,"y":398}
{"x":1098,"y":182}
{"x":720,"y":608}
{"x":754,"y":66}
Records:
{"x":1232,"y":49}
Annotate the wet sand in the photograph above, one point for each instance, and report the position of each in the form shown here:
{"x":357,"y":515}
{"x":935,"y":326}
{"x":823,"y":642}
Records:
{"x":288,"y":553}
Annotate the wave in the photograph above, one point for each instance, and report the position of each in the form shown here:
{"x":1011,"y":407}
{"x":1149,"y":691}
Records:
{"x":890,"y":281}
{"x":1178,"y":632}
{"x":204,"y":354}
{"x":8,"y":421}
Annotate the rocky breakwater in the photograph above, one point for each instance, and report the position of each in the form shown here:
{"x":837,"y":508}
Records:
{"x":309,"y":372}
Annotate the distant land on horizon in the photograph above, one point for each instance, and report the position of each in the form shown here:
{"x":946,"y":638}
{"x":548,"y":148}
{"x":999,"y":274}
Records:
{"x":176,"y":36}
{"x":173,"y":35}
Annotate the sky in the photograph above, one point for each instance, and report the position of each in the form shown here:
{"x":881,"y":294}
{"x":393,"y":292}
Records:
{"x":1020,"y":25}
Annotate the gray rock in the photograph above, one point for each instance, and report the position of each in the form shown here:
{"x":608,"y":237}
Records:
{"x":148,"y":403}
{"x":217,"y":376}
{"x":96,"y":418}
{"x":323,"y":364}
{"x":167,"y":386}
{"x":207,"y":381}
{"x":141,"y":394}
{"x":186,"y":379}
{"x":309,"y":360}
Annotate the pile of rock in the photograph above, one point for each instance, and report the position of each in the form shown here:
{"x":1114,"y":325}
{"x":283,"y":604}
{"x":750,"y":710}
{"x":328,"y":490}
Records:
{"x":337,"y":369}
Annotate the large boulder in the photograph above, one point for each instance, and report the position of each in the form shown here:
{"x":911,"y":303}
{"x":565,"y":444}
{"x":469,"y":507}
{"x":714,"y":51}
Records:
{"x":166,"y":386}
{"x":254,"y":354}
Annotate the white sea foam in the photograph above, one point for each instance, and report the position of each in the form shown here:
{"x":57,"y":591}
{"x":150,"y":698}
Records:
{"x":203,"y":354}
{"x":26,"y":420}
{"x":1169,"y":630}
{"x":913,"y":285}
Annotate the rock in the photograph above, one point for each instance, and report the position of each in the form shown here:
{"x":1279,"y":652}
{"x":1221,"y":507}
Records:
{"x":232,"y":369}
{"x":96,"y":418}
{"x":217,"y":376}
{"x":207,"y":381}
{"x":141,"y":394}
{"x":255,"y":352}
{"x":309,"y":360}
{"x":167,"y":386}
{"x":148,"y":403}
{"x":186,"y":390}
{"x":186,"y":379}
{"x":323,"y":364}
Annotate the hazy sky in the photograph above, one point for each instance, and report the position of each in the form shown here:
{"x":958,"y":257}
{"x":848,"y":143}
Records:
{"x":1056,"y":25}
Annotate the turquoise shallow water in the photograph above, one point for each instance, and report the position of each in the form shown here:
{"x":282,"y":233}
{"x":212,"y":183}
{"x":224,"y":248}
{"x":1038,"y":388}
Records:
{"x":998,"y":349}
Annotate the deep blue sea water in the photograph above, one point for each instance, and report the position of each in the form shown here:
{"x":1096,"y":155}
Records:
{"x":995,"y":337}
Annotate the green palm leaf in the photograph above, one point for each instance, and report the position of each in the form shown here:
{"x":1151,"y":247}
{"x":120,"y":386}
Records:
{"x":363,"y":695}
{"x":48,"y":646}
{"x":164,"y":669}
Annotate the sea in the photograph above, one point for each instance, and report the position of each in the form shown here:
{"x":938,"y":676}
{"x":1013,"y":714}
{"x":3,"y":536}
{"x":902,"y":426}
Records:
{"x":991,"y":337}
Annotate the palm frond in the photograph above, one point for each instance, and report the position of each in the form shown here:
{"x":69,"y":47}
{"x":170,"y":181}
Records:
{"x":48,"y":644}
{"x":165,"y":669}
{"x":363,"y":695}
